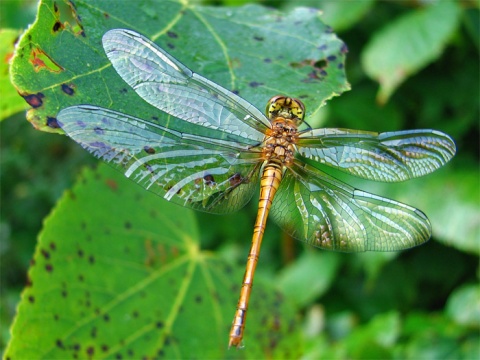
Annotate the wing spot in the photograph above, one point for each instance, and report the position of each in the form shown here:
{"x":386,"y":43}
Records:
{"x":236,"y":179}
{"x":99,"y":130}
{"x":149,"y":150}
{"x":209,"y":180}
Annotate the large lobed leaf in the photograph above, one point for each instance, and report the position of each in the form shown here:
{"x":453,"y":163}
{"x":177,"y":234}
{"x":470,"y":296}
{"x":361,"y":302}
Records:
{"x":118,"y":273}
{"x":254,"y":51}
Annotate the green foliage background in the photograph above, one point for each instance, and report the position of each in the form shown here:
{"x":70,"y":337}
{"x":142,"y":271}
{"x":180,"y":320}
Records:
{"x":421,"y":303}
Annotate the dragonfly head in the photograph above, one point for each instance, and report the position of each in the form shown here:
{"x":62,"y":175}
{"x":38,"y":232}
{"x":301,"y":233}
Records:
{"x":285,"y":107}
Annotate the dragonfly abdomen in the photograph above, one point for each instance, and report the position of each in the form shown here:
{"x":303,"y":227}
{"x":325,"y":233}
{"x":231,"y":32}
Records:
{"x":271,"y":177}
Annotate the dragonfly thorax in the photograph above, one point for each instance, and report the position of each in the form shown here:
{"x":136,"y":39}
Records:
{"x":280,"y":140}
{"x":285,"y":115}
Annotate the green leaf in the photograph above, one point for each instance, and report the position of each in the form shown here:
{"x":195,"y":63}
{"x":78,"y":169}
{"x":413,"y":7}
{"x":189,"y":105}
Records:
{"x":464,"y":305}
{"x":341,"y":15}
{"x":367,"y":114}
{"x":383,"y":330}
{"x":374,"y":340}
{"x":252,"y":50}
{"x":408,"y":44}
{"x":10,"y":102}
{"x":453,"y":210}
{"x":119,"y":273}
{"x":428,"y":336}
{"x":308,"y":277}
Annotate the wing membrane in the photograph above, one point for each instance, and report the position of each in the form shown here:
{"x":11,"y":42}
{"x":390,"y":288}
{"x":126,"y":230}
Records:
{"x":318,"y":209}
{"x":389,"y":156}
{"x":200,"y":173}
{"x":168,"y":85}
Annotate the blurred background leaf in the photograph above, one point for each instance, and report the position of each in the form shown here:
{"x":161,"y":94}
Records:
{"x":408,"y":44}
{"x":10,"y":102}
{"x":428,"y":289}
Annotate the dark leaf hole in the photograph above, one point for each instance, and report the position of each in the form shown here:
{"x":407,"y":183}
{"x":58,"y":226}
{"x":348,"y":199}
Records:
{"x":320,"y":63}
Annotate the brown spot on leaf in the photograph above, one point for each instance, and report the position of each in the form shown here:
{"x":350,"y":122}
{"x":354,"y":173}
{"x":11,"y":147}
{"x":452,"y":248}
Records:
{"x":34,"y":100}
{"x":68,"y":89}
{"x":90,"y":351}
{"x":112,"y":184}
{"x":45,"y":253}
{"x":52,"y":122}
{"x":255,"y":84}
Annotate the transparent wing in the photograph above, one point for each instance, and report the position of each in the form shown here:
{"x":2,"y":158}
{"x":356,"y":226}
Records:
{"x":326,"y":213}
{"x":389,"y":156}
{"x":165,"y":83}
{"x":201,"y":173}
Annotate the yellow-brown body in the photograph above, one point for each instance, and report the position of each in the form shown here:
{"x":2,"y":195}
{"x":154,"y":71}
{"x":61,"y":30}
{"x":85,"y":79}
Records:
{"x":279,"y":149}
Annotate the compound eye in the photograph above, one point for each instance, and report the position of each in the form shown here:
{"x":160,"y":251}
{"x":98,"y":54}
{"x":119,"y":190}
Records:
{"x":299,"y":111}
{"x":274,"y":104}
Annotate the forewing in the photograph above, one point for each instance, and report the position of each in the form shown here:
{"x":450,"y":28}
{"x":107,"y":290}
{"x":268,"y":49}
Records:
{"x":389,"y":156}
{"x":192,"y":171}
{"x":326,"y":213}
{"x":165,"y":83}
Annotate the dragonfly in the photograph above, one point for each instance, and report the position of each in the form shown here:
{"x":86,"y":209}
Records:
{"x":215,"y":148}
